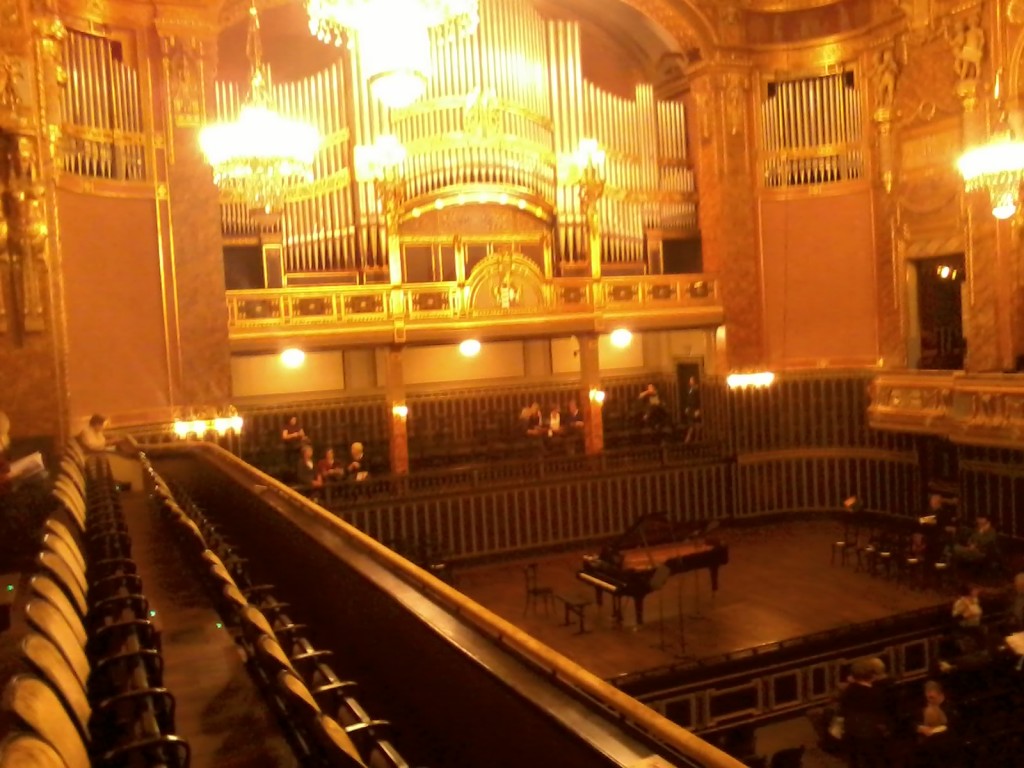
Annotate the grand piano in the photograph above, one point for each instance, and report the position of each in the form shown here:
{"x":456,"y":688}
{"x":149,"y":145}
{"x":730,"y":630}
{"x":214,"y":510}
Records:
{"x":642,"y":559}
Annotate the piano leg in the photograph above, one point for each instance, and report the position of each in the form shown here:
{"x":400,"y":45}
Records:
{"x":598,"y":596}
{"x":616,"y":609}
{"x":638,"y":605}
{"x":714,"y":577}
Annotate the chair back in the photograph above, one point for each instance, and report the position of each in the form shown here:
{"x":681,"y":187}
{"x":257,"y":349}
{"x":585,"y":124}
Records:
{"x":23,"y":750}
{"x":46,"y":620}
{"x":59,"y":570}
{"x":335,"y":743}
{"x":273,"y":657}
{"x":44,"y":587}
{"x":36,"y":705}
{"x":60,"y":529}
{"x":74,"y":503}
{"x":254,"y":619}
{"x":71,"y":470}
{"x":52,"y":667}
{"x":793,"y":757}
{"x":530,"y":574}
{"x":60,"y":548}
{"x":296,"y":695}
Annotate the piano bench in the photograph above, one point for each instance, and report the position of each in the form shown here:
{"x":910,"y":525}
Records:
{"x":574,"y":606}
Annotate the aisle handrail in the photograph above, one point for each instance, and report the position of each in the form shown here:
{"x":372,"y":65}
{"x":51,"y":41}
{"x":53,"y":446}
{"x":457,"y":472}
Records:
{"x":535,"y":652}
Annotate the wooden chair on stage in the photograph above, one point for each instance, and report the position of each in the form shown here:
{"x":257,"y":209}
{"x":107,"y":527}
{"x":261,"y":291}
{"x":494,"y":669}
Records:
{"x":535,"y":593}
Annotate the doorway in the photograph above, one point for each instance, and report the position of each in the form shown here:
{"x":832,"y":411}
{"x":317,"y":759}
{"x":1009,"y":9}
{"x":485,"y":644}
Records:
{"x":940,"y":312}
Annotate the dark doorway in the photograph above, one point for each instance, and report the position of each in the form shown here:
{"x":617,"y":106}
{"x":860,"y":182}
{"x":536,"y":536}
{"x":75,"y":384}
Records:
{"x":940,"y":312}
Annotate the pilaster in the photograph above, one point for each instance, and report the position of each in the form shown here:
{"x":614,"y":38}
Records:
{"x":591,"y":394}
{"x":395,"y":396}
{"x":722,"y":140}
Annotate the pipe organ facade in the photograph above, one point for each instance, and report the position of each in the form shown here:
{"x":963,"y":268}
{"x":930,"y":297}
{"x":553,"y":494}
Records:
{"x":501,"y":122}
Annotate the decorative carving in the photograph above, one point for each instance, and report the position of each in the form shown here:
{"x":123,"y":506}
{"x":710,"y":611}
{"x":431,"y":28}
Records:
{"x":967,"y":38}
{"x":11,"y":83}
{"x":183,"y":68}
{"x":23,"y":259}
{"x":10,"y":14}
{"x":506,"y":281}
{"x":883,"y":78}
{"x":481,"y":118}
{"x":735,"y":87}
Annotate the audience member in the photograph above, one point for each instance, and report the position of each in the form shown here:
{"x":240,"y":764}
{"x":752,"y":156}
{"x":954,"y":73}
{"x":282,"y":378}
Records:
{"x":693,"y":410}
{"x":531,"y":420}
{"x":1016,"y":617}
{"x":981,"y":544}
{"x":356,"y":469}
{"x":5,"y":464}
{"x":92,"y":437}
{"x":865,"y":726}
{"x":935,"y":696}
{"x":554,"y":421}
{"x":573,"y":419}
{"x":967,"y":608}
{"x":292,"y":438}
{"x":938,"y":747}
{"x":306,"y":474}
{"x":328,"y":469}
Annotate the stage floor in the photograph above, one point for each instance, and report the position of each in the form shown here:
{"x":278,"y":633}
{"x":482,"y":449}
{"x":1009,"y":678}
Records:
{"x":778,"y":585}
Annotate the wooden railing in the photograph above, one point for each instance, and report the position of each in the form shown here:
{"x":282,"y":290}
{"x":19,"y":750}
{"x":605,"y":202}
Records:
{"x":620,"y":709}
{"x":965,"y":408}
{"x":358,"y":308}
{"x":787,"y":677}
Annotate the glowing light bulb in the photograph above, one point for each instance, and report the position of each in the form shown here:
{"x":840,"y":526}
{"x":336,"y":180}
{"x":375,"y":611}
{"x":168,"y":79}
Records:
{"x":621,"y":338}
{"x":293,"y":358}
{"x":470,"y":348}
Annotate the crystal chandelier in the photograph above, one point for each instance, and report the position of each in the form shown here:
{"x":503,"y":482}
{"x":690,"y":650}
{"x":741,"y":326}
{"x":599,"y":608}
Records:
{"x":393,"y":38}
{"x":257,"y":158}
{"x":998,"y":168}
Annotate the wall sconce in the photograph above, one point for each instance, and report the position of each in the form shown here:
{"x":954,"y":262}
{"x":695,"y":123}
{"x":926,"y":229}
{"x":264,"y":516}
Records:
{"x":293,"y":358}
{"x":469,"y":348}
{"x":400,"y":411}
{"x":584,"y":168}
{"x":596,"y":396}
{"x":222,"y":425}
{"x":751,"y":380}
{"x":621,"y":338}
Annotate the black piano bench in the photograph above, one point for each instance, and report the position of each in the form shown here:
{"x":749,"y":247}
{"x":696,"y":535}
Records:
{"x":574,"y":606}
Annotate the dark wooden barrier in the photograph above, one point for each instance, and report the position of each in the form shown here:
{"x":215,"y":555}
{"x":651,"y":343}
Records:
{"x":464,"y":687}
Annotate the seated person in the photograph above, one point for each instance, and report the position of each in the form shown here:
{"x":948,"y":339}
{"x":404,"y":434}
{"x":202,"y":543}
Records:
{"x":917,"y":547}
{"x":967,"y":608}
{"x":306,"y":474}
{"x":981,"y":544}
{"x":328,"y":468}
{"x":865,"y":717}
{"x":572,"y":418}
{"x":6,"y":483}
{"x":531,"y":420}
{"x":356,"y":468}
{"x":92,"y":437}
{"x":938,"y":746}
{"x":1015,"y":620}
{"x":935,"y":696}
{"x":554,"y":421}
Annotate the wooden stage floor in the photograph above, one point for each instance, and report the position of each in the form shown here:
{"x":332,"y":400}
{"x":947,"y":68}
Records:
{"x":778,"y":585}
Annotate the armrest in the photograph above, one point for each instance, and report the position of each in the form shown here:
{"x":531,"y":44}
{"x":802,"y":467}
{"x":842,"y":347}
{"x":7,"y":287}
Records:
{"x":147,"y":633}
{"x":164,"y":711}
{"x":138,"y":603}
{"x":165,"y":743}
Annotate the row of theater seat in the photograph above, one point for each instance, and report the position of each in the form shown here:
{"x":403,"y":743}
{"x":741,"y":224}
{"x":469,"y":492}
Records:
{"x":94,"y":695}
{"x":320,"y":712}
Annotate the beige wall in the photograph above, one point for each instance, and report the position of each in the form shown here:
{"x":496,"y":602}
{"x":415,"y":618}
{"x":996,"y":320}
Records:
{"x":263,"y":375}
{"x":117,"y":353}
{"x":445,"y":364}
{"x":565,"y":358}
{"x":819,"y":284}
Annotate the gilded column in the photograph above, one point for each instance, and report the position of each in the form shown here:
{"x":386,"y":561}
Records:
{"x":720,"y":105}
{"x":32,"y":339}
{"x":189,"y":213}
{"x":395,"y":394}
{"x":591,"y":394}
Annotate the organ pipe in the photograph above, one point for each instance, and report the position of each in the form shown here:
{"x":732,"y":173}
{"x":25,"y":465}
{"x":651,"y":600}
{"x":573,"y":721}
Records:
{"x":811,"y":131}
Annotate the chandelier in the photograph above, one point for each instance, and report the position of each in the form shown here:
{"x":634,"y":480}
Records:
{"x":393,"y":38}
{"x":998,"y":168}
{"x":257,"y":158}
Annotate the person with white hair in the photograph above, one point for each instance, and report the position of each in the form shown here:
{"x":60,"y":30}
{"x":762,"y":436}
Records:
{"x":356,"y":469}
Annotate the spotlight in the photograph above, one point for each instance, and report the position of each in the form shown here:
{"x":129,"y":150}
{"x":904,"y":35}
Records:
{"x":470,"y":348}
{"x":621,"y":338}
{"x":293,"y":358}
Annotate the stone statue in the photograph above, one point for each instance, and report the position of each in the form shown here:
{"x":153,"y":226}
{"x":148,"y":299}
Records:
{"x":884,"y":76}
{"x":968,"y":42}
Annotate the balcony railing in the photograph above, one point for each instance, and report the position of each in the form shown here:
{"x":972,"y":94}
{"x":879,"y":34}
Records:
{"x":358,"y":308}
{"x":981,"y":409}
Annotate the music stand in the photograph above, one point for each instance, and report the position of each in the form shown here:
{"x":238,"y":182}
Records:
{"x":659,"y":579}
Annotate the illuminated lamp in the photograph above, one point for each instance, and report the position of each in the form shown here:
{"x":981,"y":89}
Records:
{"x":750,"y":380}
{"x":596,"y":396}
{"x":997,"y":168}
{"x":293,"y":358}
{"x":400,"y":411}
{"x":469,"y":348}
{"x":621,"y":338}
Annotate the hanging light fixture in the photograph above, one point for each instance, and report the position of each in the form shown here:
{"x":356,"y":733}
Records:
{"x":996,"y":166}
{"x":393,"y":38}
{"x":259,"y":156}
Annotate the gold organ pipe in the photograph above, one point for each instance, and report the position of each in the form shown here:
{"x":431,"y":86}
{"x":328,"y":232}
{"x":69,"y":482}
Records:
{"x":103,"y":74}
{"x":120,"y":119}
{"x":86,"y":88}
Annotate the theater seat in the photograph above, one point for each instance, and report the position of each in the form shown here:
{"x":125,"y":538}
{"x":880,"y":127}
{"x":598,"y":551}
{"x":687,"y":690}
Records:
{"x":22,"y":750}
